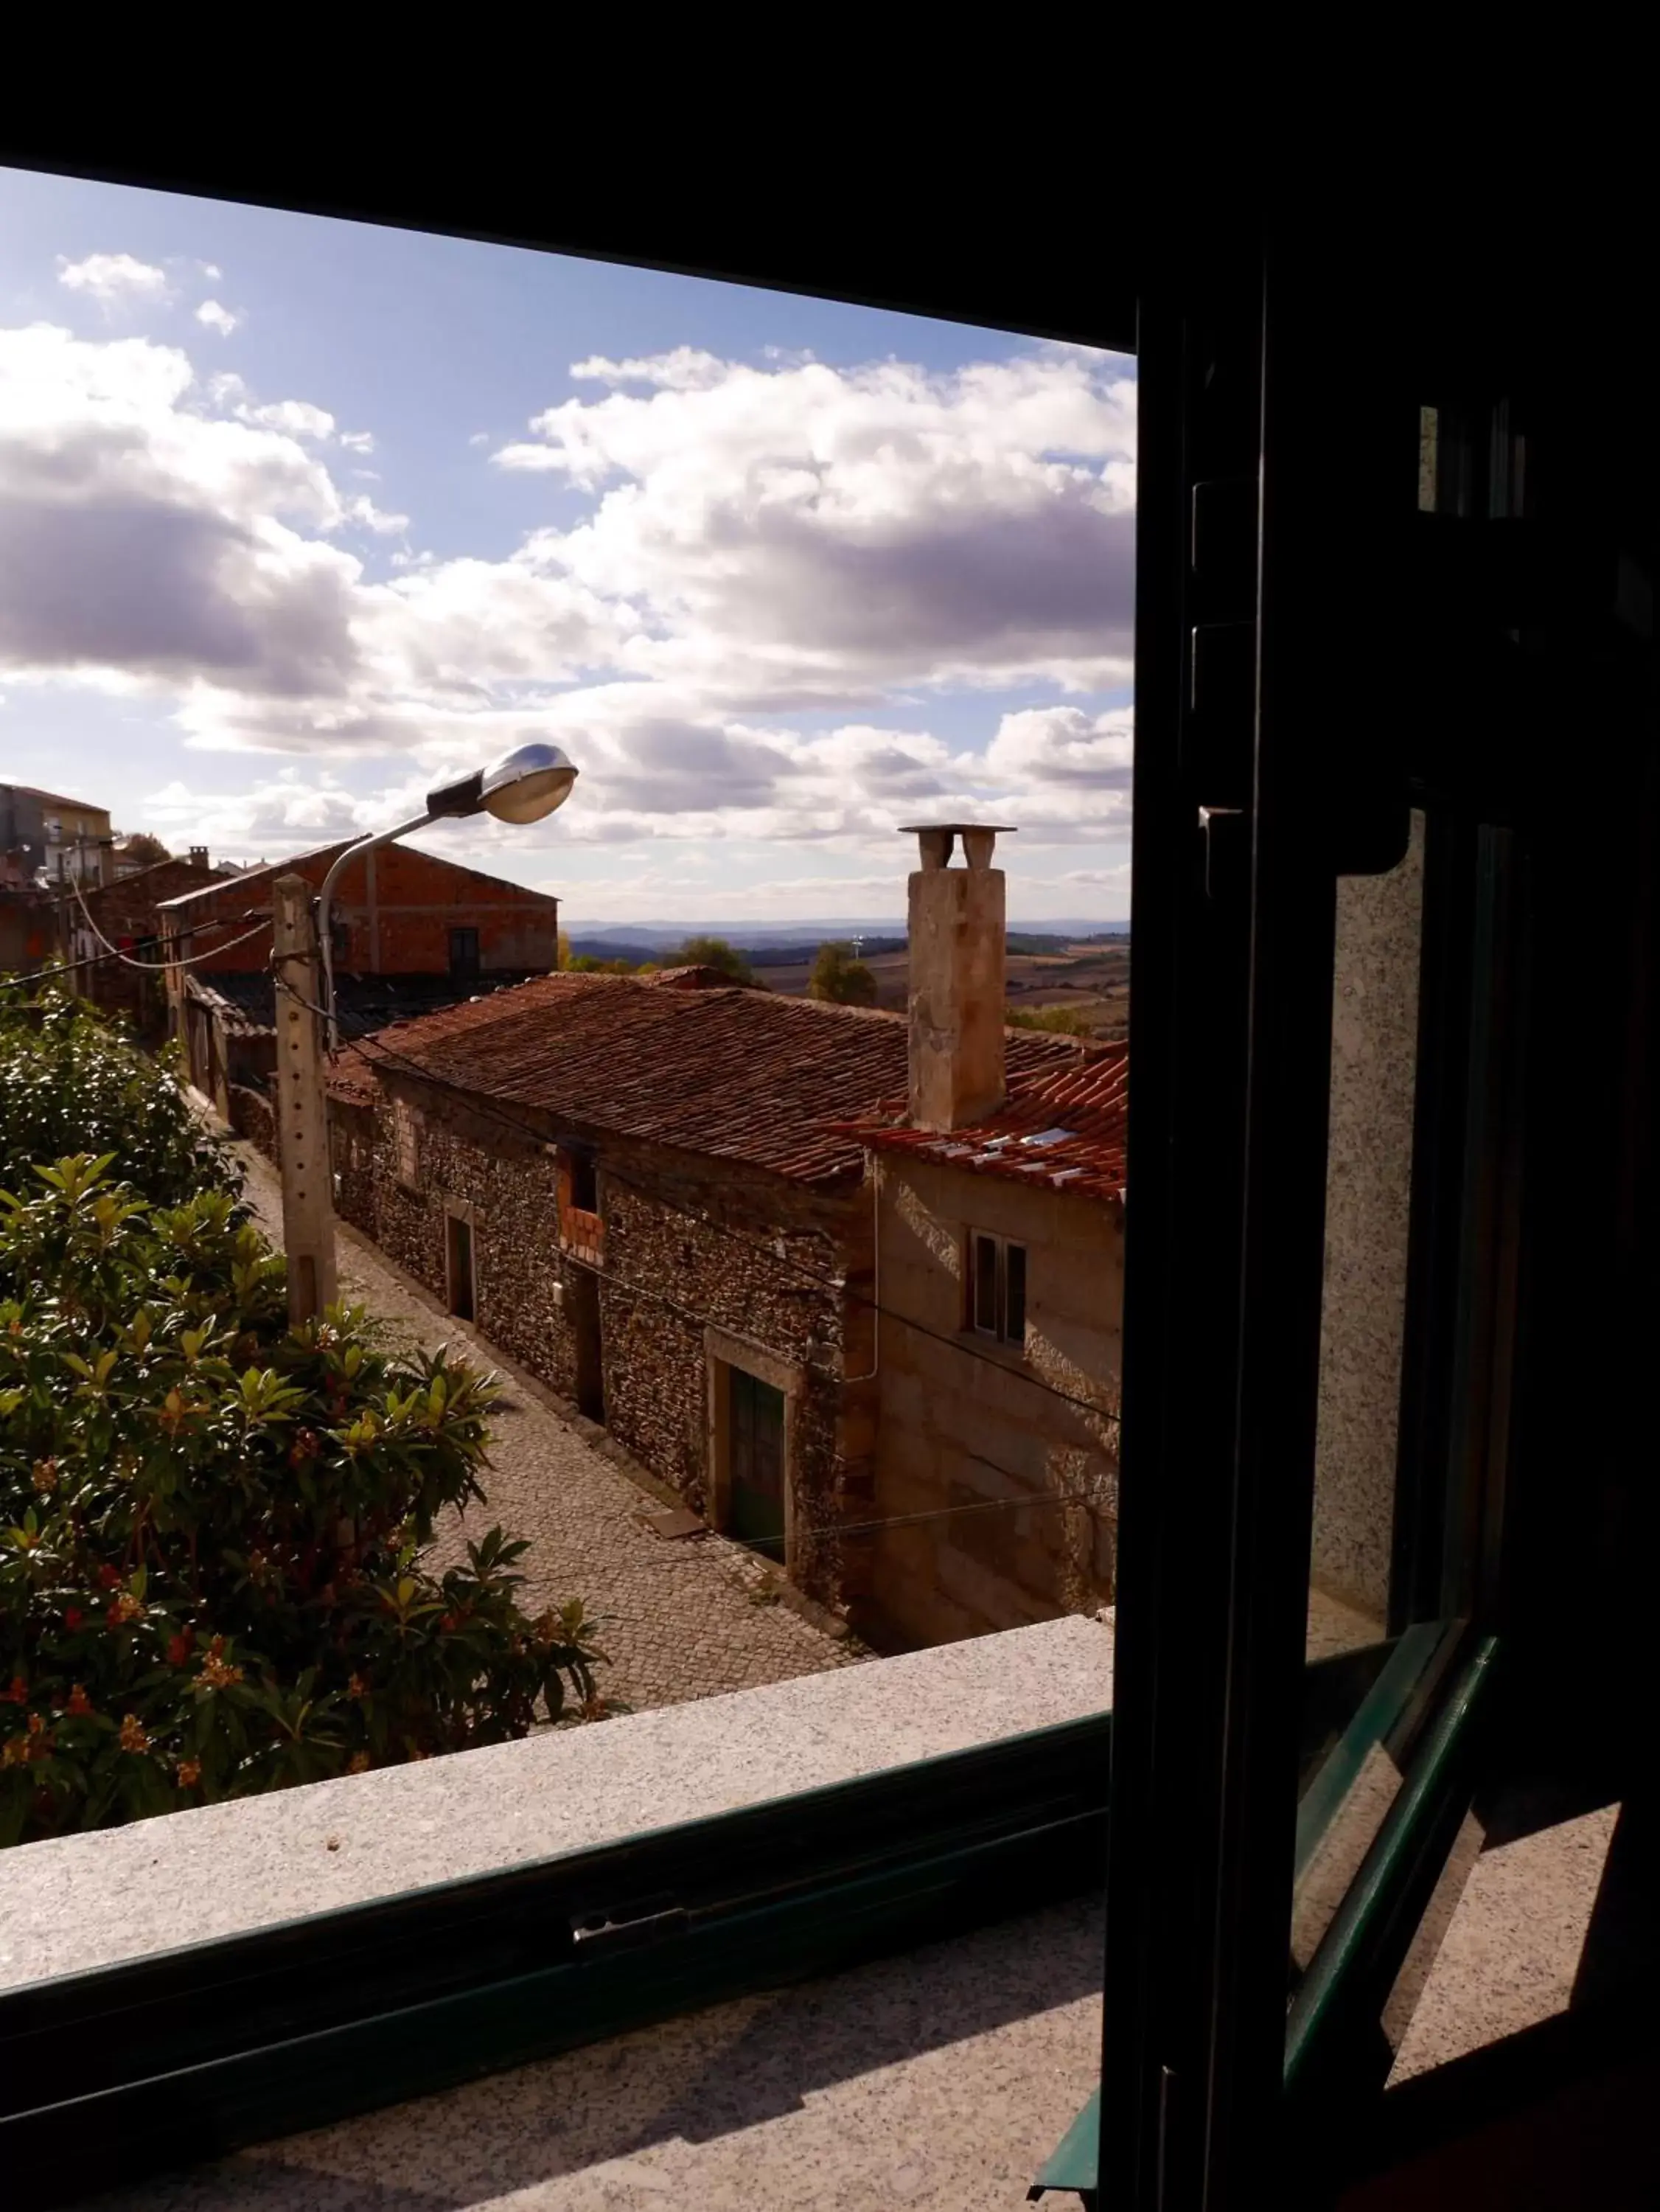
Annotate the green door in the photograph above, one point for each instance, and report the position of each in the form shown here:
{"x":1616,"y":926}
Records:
{"x":756,"y":1445}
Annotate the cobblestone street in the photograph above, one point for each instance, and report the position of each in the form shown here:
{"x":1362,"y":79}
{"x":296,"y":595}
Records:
{"x":681,"y":1618}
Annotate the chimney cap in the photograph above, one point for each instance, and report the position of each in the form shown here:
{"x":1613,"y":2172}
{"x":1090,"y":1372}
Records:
{"x":937,"y":841}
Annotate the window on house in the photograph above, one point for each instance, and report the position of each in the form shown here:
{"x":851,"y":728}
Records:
{"x":464,"y":952}
{"x":459,"y":1267}
{"x":584,"y":1182}
{"x":996,"y":1287}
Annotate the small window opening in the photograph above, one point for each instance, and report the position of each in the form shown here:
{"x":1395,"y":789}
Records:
{"x":584,"y":1182}
{"x":996,"y":1287}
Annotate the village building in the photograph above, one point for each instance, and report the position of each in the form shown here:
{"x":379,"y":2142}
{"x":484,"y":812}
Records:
{"x":846,"y":1280}
{"x":123,"y":917}
{"x":410,"y":932}
{"x":48,"y":837}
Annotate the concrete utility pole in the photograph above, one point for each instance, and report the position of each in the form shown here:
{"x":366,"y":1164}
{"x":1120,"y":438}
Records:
{"x":302,"y":1104}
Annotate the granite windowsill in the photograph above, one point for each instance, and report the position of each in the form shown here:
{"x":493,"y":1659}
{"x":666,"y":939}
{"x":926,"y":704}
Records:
{"x":77,"y":1903}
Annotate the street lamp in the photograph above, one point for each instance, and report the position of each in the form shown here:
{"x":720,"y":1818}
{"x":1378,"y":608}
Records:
{"x":523,"y":787}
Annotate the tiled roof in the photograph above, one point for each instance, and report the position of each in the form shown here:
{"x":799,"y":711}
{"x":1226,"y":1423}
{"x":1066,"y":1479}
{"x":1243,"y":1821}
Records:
{"x":245,"y":1002}
{"x":130,"y":902}
{"x":736,"y":1074}
{"x":57,"y":799}
{"x":1063,"y":1127}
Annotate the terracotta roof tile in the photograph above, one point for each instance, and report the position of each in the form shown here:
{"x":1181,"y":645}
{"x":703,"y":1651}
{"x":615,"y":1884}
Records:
{"x":1064,"y":1127}
{"x":738,"y":1073}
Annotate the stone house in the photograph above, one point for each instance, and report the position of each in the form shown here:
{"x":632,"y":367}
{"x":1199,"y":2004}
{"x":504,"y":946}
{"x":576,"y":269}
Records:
{"x":998,"y":1252}
{"x":764,"y":1242}
{"x":411,"y":932}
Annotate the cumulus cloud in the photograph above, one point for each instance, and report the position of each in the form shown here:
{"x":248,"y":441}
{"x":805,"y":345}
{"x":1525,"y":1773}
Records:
{"x":820,"y":529}
{"x":294,"y":418}
{"x":114,"y":279}
{"x":214,"y":317}
{"x":842,"y":546}
{"x":685,"y":369}
{"x":278,"y":814}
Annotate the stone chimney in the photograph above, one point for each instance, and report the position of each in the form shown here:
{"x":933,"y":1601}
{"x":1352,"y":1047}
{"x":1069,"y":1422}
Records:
{"x":198,"y":856}
{"x":956,"y":932}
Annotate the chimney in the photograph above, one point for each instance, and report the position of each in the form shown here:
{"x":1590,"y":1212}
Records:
{"x":198,"y":856}
{"x":956,"y":936}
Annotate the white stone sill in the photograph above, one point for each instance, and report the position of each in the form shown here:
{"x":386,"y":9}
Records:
{"x":77,"y":1903}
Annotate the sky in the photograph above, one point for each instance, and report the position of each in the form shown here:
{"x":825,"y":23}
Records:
{"x":299,"y":519}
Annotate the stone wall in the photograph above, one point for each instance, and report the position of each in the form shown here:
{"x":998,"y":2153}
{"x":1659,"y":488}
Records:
{"x":1374,"y":1051}
{"x":759,"y":1270}
{"x":964,"y":1422}
{"x":690,"y":1246}
{"x":253,"y":1116}
{"x":503,"y":1182}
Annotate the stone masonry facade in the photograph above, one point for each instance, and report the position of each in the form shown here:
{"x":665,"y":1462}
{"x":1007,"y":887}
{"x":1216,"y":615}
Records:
{"x":696,"y":1264}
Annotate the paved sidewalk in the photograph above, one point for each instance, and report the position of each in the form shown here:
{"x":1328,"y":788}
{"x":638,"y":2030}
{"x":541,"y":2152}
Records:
{"x":681,"y":1618}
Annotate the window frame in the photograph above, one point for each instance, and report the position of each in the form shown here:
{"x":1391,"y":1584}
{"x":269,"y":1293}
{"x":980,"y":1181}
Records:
{"x":1000,"y":1332}
{"x":257,"y":2036}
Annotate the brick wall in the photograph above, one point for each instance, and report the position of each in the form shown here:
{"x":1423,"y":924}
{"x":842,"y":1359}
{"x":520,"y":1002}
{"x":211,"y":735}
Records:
{"x":398,"y":906}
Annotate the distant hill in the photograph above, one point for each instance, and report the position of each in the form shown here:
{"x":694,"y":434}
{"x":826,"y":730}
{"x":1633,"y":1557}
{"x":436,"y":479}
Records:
{"x":799,"y":941}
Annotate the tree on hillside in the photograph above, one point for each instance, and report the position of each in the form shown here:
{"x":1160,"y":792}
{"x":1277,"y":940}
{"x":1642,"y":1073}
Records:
{"x":144,"y":850}
{"x":1064,"y":1021}
{"x":715,"y":952}
{"x":840,"y":979}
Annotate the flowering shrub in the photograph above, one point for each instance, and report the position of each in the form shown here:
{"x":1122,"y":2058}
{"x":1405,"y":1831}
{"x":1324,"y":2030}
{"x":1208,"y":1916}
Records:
{"x":211,"y":1526}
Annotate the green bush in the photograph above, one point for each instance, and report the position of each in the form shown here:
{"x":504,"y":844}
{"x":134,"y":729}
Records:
{"x":715,"y":952}
{"x":211,"y":1525}
{"x":840,"y":979}
{"x":1063,"y":1021}
{"x":70,"y":1082}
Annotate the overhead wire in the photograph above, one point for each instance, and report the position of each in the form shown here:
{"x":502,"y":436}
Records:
{"x":67,"y":967}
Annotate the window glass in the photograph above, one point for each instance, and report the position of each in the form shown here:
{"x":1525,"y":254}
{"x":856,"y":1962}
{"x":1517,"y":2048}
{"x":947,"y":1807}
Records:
{"x":584,"y":1182}
{"x":1415,"y":1331}
{"x":1014,"y":1318}
{"x":986,"y":1283}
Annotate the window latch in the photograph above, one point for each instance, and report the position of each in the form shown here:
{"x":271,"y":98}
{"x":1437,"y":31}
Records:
{"x":621,"y":1927}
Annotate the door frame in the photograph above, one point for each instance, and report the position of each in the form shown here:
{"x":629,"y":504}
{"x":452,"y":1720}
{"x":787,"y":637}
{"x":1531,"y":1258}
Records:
{"x":723,"y":1353}
{"x":460,"y":1211}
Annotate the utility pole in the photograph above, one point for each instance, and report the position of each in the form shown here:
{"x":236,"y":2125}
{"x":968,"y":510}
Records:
{"x":302,"y":1103}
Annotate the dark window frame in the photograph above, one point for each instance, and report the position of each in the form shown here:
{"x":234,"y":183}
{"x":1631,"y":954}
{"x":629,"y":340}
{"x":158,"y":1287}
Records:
{"x":1010,"y":1264}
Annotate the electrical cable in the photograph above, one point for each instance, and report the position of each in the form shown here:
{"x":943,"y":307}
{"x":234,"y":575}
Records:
{"x":157,"y":967}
